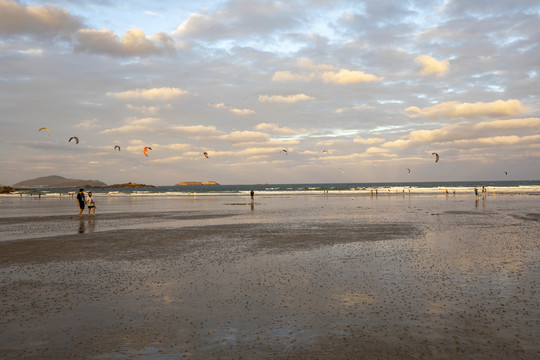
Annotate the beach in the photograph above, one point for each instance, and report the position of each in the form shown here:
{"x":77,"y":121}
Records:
{"x":289,"y":277}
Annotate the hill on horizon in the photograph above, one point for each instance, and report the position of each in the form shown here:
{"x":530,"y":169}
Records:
{"x":56,"y":181}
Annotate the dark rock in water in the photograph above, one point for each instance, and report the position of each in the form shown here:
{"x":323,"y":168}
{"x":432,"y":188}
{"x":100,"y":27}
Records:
{"x":6,"y":189}
{"x":55,"y":181}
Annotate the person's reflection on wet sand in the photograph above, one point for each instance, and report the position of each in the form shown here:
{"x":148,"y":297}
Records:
{"x":91,"y":225}
{"x":82,"y":226}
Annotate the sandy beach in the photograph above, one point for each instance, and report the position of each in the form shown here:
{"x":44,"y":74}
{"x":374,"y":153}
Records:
{"x":302,"y":277}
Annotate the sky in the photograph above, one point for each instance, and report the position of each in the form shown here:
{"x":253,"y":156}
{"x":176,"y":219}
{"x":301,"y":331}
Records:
{"x":370,"y":87}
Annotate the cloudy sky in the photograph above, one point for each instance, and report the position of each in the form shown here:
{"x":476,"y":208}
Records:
{"x":372,"y":87}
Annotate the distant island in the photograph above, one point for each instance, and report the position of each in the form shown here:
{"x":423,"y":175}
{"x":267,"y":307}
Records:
{"x":55,"y":181}
{"x":196,"y":183}
{"x":128,"y":185}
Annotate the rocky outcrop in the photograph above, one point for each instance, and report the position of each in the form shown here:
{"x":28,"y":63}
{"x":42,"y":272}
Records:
{"x":196,"y":183}
{"x":6,"y":189}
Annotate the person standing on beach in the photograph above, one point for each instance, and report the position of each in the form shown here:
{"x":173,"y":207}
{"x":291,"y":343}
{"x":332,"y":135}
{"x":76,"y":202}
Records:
{"x":81,"y":200}
{"x":252,"y":195}
{"x":91,"y":204}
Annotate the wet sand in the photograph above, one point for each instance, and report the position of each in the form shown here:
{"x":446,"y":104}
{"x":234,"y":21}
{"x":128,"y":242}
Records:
{"x":342,"y":278}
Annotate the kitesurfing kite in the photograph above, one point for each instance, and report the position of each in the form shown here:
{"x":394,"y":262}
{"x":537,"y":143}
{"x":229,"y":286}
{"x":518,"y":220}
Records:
{"x":285,"y":151}
{"x":436,"y":157}
{"x":409,"y":170}
{"x":74,"y":137}
{"x":146,"y":150}
{"x":44,"y":128}
{"x":205,"y":154}
{"x":506,"y":173}
{"x":117,"y":147}
{"x":342,"y":170}
{"x":325,"y":151}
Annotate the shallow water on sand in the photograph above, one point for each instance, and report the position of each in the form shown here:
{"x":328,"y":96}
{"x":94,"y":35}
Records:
{"x":28,"y":218}
{"x":311,"y":277}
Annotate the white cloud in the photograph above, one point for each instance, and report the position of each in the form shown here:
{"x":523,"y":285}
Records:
{"x":454,"y":109}
{"x":356,"y":107}
{"x":88,"y":124}
{"x":369,"y":141}
{"x":148,"y":12}
{"x":344,"y":76}
{"x":277,"y":129}
{"x":136,"y":125}
{"x":244,"y":136}
{"x":376,"y":151}
{"x":430,"y":65}
{"x":467,"y":131}
{"x":284,"y":99}
{"x":193,"y":130}
{"x":324,"y":73}
{"x":194,"y":23}
{"x":240,"y":112}
{"x":165,"y":93}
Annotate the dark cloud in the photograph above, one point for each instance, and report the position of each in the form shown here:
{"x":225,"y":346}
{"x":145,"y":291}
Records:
{"x":39,"y":21}
{"x":134,"y":43}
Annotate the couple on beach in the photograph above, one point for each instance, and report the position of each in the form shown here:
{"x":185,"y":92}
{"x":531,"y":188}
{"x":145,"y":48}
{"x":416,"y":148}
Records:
{"x":83,"y":201}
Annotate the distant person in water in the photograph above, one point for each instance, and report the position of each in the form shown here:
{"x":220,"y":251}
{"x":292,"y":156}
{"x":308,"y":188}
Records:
{"x":91,"y":204}
{"x":81,"y":200}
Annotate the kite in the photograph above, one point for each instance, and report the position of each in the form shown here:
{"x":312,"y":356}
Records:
{"x":74,"y":137}
{"x":436,"y":157}
{"x":205,"y":154}
{"x":342,"y":170}
{"x":409,"y":170}
{"x":325,"y":151}
{"x":44,"y":128}
{"x":146,"y":150}
{"x":285,"y":151}
{"x":117,"y":147}
{"x":506,"y":173}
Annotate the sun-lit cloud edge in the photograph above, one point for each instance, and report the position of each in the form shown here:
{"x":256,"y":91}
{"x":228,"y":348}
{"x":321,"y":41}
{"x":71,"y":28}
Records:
{"x":284,"y":99}
{"x":325,"y":73}
{"x":274,"y":128}
{"x":430,"y":65}
{"x":164,"y":93}
{"x":236,"y":111}
{"x":454,"y":109}
{"x":466,"y":131}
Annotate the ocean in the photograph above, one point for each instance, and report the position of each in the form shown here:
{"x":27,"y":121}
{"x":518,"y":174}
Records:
{"x":459,"y":187}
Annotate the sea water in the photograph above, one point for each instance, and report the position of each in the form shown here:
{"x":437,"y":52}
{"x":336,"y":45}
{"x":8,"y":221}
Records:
{"x":460,"y":187}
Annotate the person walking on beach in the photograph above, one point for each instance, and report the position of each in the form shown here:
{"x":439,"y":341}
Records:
{"x":91,"y":204}
{"x":81,"y":200}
